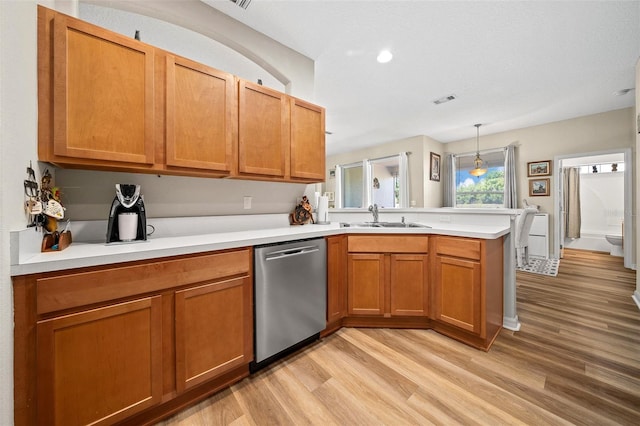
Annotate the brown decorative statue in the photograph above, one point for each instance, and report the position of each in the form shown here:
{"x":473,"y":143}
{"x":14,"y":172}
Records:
{"x":302,"y":213}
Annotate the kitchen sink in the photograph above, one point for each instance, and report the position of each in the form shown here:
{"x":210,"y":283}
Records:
{"x":383,"y":225}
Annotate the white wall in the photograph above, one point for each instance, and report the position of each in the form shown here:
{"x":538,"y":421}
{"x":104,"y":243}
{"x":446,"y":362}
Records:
{"x":87,"y":195}
{"x":591,"y":133}
{"x":637,"y":178}
{"x":18,"y":133}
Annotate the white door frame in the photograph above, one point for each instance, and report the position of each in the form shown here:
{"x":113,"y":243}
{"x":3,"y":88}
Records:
{"x":629,"y":249}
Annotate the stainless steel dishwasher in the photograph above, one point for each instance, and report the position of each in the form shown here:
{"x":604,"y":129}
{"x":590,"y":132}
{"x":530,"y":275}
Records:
{"x":290,"y":291}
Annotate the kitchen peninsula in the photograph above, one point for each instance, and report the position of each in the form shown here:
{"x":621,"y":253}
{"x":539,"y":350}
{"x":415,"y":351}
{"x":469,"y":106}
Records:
{"x":157,"y":303}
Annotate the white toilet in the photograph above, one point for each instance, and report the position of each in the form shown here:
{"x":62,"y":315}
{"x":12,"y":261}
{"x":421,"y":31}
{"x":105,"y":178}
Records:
{"x":616,"y":244}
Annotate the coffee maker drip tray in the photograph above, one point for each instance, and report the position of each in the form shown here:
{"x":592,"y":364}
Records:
{"x":116,"y":243}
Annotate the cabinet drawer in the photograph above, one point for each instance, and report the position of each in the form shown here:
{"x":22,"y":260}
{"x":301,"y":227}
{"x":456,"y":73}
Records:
{"x":387,"y":244}
{"x":458,"y":247}
{"x":85,"y":288}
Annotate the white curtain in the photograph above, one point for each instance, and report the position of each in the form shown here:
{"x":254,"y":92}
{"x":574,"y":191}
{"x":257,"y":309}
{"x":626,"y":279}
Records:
{"x":510,"y":185}
{"x":448,"y":181}
{"x":337,"y":195}
{"x":403,"y":176}
{"x":571,"y":195}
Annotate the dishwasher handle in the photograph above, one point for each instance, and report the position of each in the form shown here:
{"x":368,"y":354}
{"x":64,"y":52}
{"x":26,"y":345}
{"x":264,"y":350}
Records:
{"x":296,"y":251}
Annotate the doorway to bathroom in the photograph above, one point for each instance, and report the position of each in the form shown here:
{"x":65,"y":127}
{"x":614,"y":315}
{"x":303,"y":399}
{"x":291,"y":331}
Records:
{"x":593,"y":200}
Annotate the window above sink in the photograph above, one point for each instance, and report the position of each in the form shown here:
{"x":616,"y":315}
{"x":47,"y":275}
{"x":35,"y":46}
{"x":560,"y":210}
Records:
{"x":383,"y":181}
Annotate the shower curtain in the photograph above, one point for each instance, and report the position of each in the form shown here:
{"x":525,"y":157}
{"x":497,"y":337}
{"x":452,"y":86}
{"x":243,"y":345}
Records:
{"x":571,"y":201}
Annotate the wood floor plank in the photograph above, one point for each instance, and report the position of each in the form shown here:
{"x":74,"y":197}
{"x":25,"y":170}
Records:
{"x":576,"y":360}
{"x":389,"y":406}
{"x":298,"y":402}
{"x":455,"y":384}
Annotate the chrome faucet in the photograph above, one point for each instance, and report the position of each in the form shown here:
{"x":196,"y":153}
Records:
{"x":374,"y":209}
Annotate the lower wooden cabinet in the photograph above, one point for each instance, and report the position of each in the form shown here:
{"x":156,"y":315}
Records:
{"x":388,"y":275}
{"x":128,"y":343}
{"x":467,"y":289}
{"x":366,"y":284}
{"x":100,"y":366}
{"x":457,"y":289}
{"x":336,"y":280}
{"x":213,"y":330}
{"x":409,"y":285}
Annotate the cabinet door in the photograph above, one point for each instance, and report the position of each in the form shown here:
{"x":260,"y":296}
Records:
{"x":103,"y":92}
{"x":263,"y":131}
{"x":538,"y":246}
{"x":366,"y":284}
{"x":214,"y":330}
{"x":201,"y":116}
{"x":457,"y":293}
{"x":100,"y":366}
{"x":336,"y":278}
{"x":307,"y":141}
{"x":409,"y":285}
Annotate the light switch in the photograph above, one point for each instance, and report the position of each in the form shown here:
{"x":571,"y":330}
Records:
{"x":247,"y":202}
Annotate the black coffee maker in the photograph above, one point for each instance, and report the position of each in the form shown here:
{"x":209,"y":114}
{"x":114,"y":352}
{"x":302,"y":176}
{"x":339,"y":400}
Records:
{"x":127,"y":200}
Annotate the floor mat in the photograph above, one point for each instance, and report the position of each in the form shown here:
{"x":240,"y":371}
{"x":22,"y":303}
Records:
{"x":542,"y":266}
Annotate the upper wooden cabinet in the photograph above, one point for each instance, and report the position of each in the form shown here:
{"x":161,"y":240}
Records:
{"x":102,"y":90}
{"x":201,"y":116}
{"x":110,"y":102}
{"x":307,"y":141}
{"x":280,"y":136}
{"x":263,"y":131}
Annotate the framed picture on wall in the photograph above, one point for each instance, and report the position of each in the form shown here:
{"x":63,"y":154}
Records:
{"x":538,"y":187}
{"x":539,"y":168}
{"x":435,"y":167}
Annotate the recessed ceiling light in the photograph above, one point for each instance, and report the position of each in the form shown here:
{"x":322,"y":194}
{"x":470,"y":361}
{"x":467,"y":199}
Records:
{"x":384,"y":56}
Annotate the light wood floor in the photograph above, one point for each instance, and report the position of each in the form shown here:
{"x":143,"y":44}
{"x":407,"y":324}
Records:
{"x":576,"y":360}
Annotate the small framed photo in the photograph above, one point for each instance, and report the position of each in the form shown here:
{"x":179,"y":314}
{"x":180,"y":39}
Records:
{"x":539,"y":168}
{"x":539,"y":187}
{"x":434,"y":173}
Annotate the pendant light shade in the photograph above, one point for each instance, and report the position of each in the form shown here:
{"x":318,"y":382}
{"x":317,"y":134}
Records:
{"x":478,"y":170}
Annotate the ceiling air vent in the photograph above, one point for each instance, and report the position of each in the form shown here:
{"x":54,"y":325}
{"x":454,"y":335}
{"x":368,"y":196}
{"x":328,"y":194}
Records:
{"x":242,"y":3}
{"x":444,"y":99}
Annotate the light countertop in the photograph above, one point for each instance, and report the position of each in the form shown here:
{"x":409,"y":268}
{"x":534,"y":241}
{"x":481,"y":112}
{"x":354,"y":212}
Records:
{"x":84,"y":254}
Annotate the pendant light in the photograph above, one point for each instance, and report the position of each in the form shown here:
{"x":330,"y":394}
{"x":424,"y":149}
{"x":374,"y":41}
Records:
{"x":478,"y":170}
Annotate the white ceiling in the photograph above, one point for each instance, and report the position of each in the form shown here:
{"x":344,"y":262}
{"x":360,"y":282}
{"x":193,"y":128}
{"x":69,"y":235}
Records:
{"x":511,"y":64}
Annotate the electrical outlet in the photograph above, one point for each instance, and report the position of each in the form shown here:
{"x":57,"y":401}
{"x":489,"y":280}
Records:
{"x":247,"y":202}
{"x":446,"y":219}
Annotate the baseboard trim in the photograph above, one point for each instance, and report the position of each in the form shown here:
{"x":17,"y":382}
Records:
{"x":636,"y":298}
{"x":511,"y":323}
